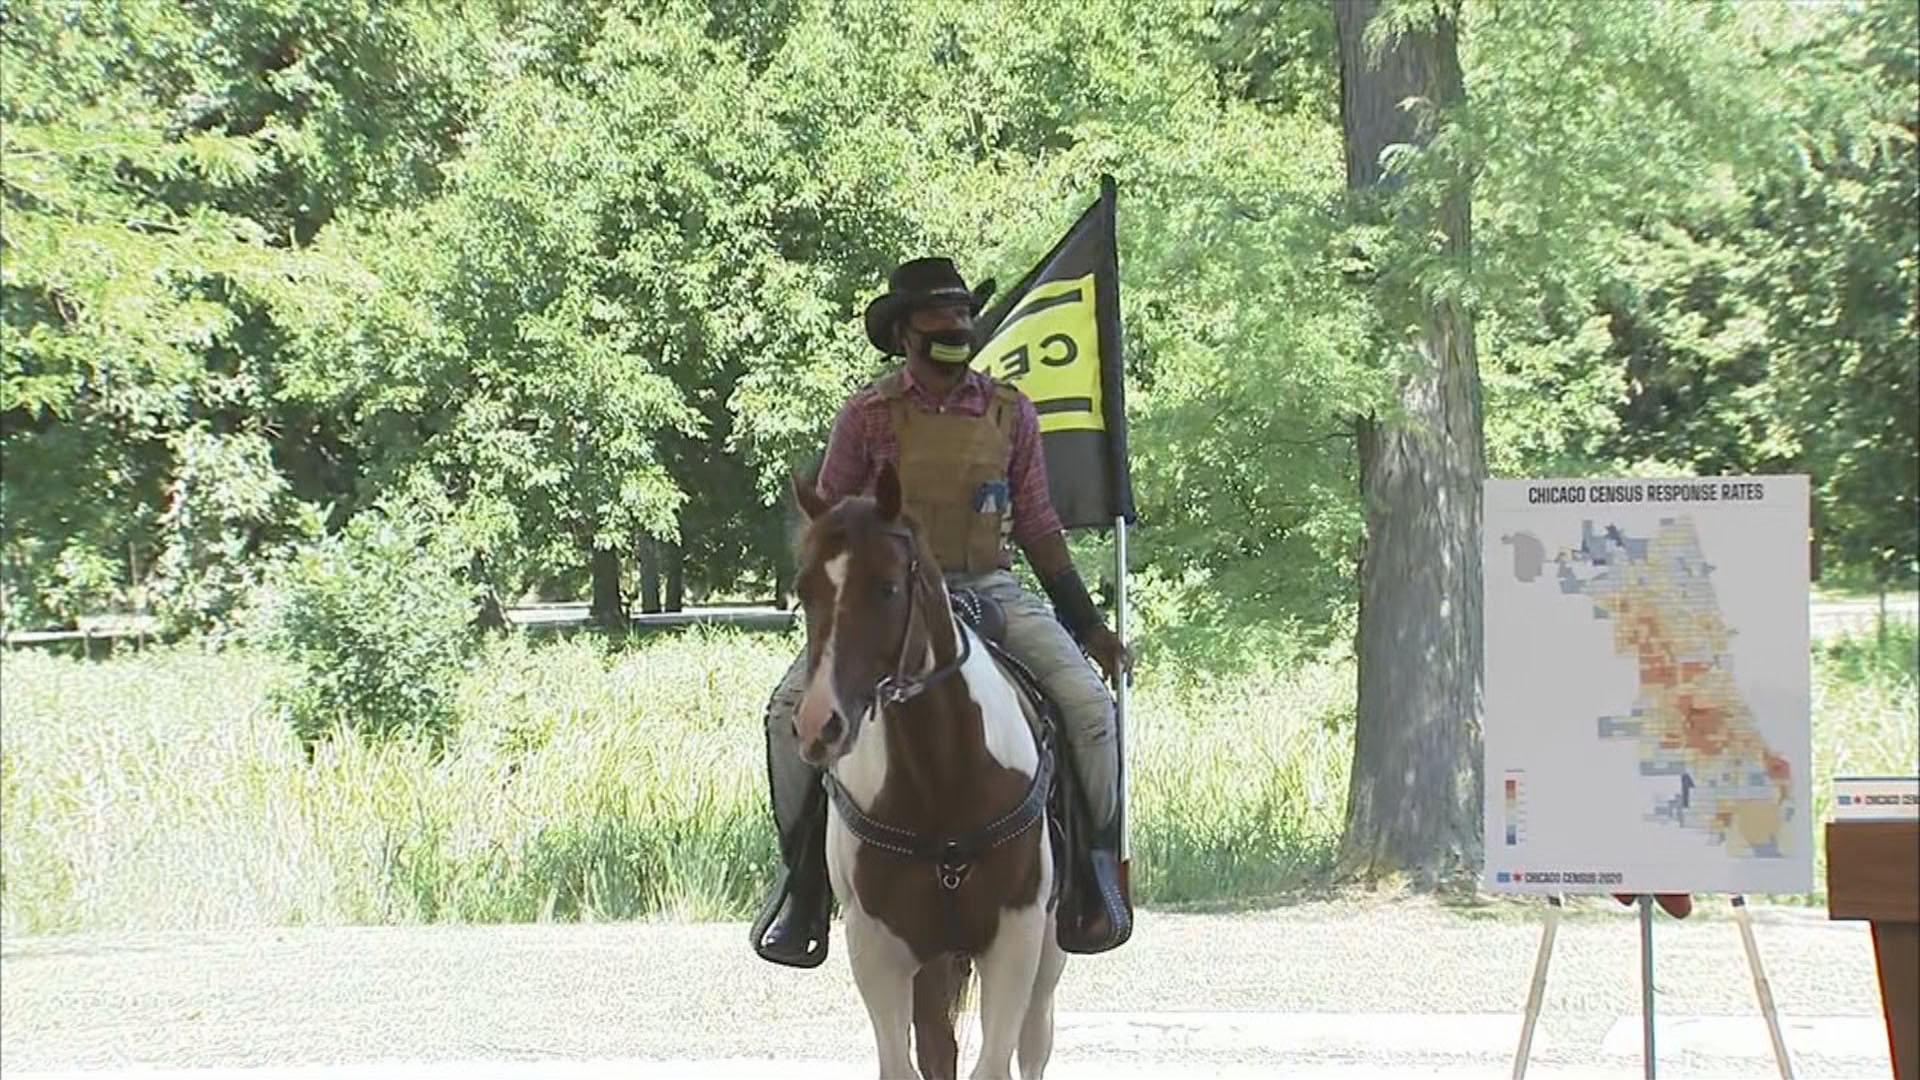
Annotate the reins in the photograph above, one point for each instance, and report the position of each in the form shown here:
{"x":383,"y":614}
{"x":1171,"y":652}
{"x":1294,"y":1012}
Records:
{"x":897,"y":688}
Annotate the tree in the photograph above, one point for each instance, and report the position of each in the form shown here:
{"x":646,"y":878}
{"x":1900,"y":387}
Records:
{"x":636,"y":294}
{"x":1838,"y":281}
{"x":125,"y":278}
{"x":164,"y":167}
{"x":595,"y":272}
{"x":1727,"y":285}
{"x":1414,"y":800}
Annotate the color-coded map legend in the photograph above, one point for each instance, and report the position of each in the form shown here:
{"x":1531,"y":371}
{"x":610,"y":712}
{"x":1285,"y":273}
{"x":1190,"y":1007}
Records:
{"x":1513,"y":809}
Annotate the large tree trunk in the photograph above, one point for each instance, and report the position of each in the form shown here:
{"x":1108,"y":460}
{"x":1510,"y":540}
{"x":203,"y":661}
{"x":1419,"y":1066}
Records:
{"x":1414,"y":801}
{"x":650,"y":576}
{"x":676,"y":578}
{"x":609,"y":607}
{"x":490,"y":613}
{"x":782,"y":584}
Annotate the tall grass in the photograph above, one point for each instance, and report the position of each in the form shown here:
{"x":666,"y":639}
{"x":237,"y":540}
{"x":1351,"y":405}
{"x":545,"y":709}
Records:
{"x":588,"y":782}
{"x":1866,"y":715}
{"x":157,"y":791}
{"x":582,"y":782}
{"x":1237,"y":786}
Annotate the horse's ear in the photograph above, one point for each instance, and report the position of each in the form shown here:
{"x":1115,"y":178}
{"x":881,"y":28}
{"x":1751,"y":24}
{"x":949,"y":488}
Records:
{"x":886,"y":492}
{"x":808,"y":496}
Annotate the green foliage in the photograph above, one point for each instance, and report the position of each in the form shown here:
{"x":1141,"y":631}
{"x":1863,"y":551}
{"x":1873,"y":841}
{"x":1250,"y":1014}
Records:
{"x":375,"y":624}
{"x":592,"y":274}
{"x":118,"y":310}
{"x":570,"y":370}
{"x":1838,"y":246}
{"x":1731,"y":288}
{"x":1245,"y":352}
{"x":1887,"y":658}
{"x":225,"y":500}
{"x":161,"y":162}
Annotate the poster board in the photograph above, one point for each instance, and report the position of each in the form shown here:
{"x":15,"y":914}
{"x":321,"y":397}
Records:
{"x":1648,"y":686}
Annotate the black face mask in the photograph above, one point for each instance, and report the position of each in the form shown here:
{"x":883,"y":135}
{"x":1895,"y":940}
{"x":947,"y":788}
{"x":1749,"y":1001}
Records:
{"x":949,"y":346}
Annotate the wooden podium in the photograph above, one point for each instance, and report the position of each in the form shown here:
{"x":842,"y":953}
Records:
{"x":1873,"y":873}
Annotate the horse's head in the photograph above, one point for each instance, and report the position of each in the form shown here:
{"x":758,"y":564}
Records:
{"x":866,"y":587}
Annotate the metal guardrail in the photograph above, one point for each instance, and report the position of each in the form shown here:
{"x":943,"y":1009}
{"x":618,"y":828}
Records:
{"x":55,"y":637}
{"x":528,"y":617}
{"x":571,"y":616}
{"x":1826,"y":619}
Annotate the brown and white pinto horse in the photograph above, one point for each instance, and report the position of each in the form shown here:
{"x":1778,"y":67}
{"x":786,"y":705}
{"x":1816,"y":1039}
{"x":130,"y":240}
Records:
{"x":937,"y":840}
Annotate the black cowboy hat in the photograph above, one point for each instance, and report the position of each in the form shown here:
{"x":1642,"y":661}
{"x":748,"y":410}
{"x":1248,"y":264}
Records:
{"x":919,"y":283}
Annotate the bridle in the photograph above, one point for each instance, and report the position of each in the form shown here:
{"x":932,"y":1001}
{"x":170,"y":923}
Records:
{"x":899,"y":688}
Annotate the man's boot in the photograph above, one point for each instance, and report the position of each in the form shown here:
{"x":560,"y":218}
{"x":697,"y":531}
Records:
{"x":792,"y":927}
{"x":1100,"y":917}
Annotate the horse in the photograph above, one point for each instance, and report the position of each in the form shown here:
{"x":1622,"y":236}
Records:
{"x":937,"y":834}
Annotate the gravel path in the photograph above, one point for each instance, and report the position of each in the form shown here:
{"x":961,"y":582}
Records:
{"x":1377,"y":987}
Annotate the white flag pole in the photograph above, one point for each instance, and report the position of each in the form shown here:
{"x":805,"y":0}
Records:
{"x":1120,"y":690}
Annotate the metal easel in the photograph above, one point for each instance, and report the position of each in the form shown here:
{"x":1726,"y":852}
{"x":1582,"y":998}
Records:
{"x":1537,"y":990}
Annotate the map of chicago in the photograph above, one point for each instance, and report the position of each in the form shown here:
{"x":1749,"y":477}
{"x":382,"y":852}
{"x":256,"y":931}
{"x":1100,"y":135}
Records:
{"x":1688,"y":717}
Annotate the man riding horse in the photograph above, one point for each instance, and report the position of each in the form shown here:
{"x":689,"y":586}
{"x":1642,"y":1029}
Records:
{"x":968,"y":453}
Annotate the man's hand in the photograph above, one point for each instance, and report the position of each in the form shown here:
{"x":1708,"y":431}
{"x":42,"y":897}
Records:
{"x":1678,"y":905}
{"x":1111,"y":654}
{"x":1054,"y":566}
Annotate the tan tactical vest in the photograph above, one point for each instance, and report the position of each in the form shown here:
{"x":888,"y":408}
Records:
{"x":953,"y":476}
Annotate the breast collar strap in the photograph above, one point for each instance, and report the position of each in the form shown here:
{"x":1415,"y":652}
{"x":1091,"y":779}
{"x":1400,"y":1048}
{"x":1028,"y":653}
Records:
{"x":952,"y":857}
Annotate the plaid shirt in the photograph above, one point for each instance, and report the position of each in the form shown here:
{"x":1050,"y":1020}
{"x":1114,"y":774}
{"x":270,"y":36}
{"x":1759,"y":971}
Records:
{"x":863,"y":439}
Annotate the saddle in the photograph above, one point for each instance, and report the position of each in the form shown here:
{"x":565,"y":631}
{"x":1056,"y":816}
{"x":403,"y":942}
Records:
{"x":1079,"y":889}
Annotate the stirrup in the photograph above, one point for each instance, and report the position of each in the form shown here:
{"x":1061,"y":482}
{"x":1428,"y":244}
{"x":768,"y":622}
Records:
{"x":802,"y":941}
{"x":1102,"y":912}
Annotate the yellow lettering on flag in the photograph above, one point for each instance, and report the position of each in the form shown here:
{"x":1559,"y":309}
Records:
{"x":1049,"y":347}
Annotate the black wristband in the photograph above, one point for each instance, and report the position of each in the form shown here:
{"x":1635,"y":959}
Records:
{"x":1071,"y":602}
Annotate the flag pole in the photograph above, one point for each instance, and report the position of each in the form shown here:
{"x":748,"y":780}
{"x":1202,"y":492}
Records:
{"x":1121,"y":504}
{"x":1120,"y":690}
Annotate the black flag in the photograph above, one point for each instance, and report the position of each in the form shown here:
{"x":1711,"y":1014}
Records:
{"x":1056,"y":335}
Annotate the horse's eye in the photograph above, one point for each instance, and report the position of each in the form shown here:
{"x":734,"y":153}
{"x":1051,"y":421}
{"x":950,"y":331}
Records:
{"x":889,"y":590}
